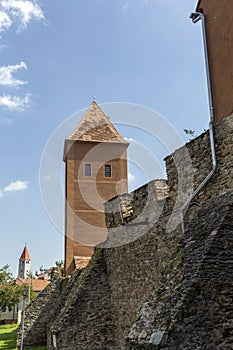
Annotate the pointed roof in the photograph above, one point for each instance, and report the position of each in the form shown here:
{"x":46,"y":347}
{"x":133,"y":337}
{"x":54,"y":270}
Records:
{"x":25,"y":254}
{"x":95,"y":126}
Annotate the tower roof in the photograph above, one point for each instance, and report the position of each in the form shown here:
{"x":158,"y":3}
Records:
{"x":95,"y":126}
{"x":25,"y":254}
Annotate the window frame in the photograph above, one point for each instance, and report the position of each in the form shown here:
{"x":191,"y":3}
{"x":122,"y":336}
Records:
{"x":108,"y":166}
{"x":87,"y":169}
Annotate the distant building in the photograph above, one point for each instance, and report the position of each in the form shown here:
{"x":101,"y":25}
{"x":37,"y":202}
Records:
{"x":24,"y":264}
{"x":23,"y":279}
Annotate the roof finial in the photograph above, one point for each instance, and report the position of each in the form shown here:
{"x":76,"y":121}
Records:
{"x":94,"y":98}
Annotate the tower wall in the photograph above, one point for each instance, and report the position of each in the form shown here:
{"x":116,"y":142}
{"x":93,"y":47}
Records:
{"x":219,"y":19}
{"x":24,"y":269}
{"x":85,"y":195}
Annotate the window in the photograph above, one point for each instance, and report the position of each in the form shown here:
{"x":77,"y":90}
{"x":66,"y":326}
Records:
{"x":4,"y":308}
{"x":108,"y":170}
{"x":87,"y":169}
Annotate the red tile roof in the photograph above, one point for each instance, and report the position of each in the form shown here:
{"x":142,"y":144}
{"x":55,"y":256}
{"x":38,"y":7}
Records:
{"x":25,"y":255}
{"x":37,"y":285}
{"x":95,"y":126}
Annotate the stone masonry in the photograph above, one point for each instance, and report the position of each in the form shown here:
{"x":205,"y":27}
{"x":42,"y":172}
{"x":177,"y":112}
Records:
{"x":149,"y":286}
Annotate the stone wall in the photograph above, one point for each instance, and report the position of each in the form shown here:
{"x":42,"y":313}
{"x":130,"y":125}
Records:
{"x":43,"y":310}
{"x":145,"y":253}
{"x":127,"y":207}
{"x":191,"y":306}
{"x":86,"y":321}
{"x":185,"y":171}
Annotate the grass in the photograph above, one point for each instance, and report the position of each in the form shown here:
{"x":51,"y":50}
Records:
{"x":8,"y":338}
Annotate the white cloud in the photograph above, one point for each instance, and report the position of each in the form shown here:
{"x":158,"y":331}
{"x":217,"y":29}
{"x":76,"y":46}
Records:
{"x":15,"y":103}
{"x":1,"y":194}
{"x":5,"y":21}
{"x":16,"y":186}
{"x":6,"y":121}
{"x":6,"y":74}
{"x":22,"y":10}
{"x":131,"y":177}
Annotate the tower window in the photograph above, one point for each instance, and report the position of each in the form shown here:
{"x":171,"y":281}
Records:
{"x":108,"y":170}
{"x":87,"y":169}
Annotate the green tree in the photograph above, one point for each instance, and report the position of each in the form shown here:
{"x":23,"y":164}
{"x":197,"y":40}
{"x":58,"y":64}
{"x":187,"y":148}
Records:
{"x":10,"y":295}
{"x":5,"y":274}
{"x":10,"y":292}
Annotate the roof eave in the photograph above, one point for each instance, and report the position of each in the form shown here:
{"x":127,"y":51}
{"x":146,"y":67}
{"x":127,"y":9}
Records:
{"x":123,"y":143}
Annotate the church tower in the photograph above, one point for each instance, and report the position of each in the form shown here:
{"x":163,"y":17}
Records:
{"x":96,"y":170}
{"x":24,"y":264}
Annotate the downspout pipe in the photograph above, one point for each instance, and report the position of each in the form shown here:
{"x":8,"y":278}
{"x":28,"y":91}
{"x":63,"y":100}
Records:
{"x":196,"y":17}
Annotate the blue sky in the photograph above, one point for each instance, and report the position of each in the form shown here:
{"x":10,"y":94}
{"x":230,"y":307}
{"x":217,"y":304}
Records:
{"x":54,"y":56}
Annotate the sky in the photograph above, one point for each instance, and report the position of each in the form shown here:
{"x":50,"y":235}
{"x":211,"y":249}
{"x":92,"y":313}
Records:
{"x":135,"y":56}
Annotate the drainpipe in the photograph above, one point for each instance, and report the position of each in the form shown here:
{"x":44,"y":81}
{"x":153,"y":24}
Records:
{"x":196,"y":17}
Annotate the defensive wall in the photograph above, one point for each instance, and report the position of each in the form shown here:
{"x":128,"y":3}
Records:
{"x":143,"y":288}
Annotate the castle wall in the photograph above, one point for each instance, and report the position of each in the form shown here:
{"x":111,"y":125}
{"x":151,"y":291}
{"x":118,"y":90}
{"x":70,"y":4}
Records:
{"x":136,"y":255}
{"x":85,"y":321}
{"x":43,"y":310}
{"x":191,"y":306}
{"x":186,"y":171}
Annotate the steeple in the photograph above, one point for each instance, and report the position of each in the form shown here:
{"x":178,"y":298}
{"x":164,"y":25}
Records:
{"x":24,"y":264}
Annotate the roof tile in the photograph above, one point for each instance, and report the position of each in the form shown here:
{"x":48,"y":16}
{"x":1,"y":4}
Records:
{"x":25,"y":254}
{"x":95,"y":126}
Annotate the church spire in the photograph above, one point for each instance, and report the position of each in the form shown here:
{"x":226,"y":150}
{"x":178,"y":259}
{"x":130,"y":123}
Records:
{"x":24,"y":264}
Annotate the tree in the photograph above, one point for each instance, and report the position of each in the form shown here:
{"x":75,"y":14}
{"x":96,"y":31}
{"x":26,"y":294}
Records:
{"x":10,"y":292}
{"x":5,"y":274}
{"x":10,"y":295}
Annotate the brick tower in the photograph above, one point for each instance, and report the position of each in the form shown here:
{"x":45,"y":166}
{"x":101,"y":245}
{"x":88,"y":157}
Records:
{"x":219,"y":19}
{"x":96,"y":170}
